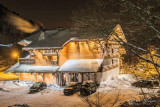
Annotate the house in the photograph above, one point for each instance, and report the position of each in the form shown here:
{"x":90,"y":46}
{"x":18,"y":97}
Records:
{"x":59,"y":57}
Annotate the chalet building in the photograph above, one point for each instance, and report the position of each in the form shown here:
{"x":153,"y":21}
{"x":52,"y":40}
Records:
{"x":60,"y":57}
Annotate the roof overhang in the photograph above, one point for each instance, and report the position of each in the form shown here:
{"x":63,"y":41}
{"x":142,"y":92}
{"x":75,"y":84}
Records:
{"x":40,"y":48}
{"x":23,"y":68}
{"x":74,"y":39}
{"x":82,"y":39}
{"x":24,"y":42}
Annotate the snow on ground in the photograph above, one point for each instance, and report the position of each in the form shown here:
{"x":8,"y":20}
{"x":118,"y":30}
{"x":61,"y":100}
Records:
{"x":18,"y":93}
{"x":54,"y":87}
{"x":121,"y":82}
{"x":24,"y":83}
{"x":15,"y":92}
{"x":10,"y":84}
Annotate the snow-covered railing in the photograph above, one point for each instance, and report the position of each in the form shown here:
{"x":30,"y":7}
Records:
{"x":27,"y":61}
{"x":108,"y":67}
{"x":49,"y":54}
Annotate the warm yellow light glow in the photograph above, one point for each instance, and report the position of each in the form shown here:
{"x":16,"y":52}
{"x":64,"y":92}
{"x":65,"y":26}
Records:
{"x":153,"y":52}
{"x":15,"y":54}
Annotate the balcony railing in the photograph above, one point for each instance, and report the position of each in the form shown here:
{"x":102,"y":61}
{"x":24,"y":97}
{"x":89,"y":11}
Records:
{"x":49,"y":53}
{"x":108,"y":67}
{"x":27,"y":61}
{"x":111,"y":55}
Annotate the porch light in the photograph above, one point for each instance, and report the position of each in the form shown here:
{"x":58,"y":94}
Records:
{"x":15,"y":55}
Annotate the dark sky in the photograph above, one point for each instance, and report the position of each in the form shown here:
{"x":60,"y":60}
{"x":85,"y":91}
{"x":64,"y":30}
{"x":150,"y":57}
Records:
{"x":51,"y":13}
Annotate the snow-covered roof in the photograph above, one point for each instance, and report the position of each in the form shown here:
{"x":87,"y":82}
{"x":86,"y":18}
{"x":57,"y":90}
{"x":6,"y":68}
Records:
{"x":81,"y":65}
{"x":23,"y":68}
{"x":55,"y":40}
{"x":34,"y":37}
{"x":11,"y":69}
{"x":26,"y":41}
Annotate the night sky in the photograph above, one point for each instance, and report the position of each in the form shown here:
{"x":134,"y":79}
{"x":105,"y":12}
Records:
{"x":51,"y":13}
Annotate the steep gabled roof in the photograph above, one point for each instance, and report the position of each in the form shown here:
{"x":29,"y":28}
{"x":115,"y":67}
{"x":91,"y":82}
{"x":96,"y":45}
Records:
{"x":55,"y":40}
{"x":36,"y":36}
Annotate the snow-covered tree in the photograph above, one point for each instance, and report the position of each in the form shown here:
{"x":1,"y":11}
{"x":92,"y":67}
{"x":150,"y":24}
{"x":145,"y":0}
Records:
{"x":139,"y":20}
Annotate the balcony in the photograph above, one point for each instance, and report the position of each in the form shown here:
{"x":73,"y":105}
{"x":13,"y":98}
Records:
{"x":111,"y":55}
{"x":27,"y":61}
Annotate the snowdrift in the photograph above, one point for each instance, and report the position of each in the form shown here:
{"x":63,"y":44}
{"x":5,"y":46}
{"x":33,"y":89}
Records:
{"x":54,"y":87}
{"x":120,"y":82}
{"x":21,"y":84}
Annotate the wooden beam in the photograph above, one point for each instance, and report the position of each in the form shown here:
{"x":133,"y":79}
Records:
{"x":62,"y":79}
{"x":57,"y":78}
{"x":79,"y":77}
{"x":87,"y":74}
{"x":69,"y":78}
{"x":82,"y":76}
{"x":35,"y":77}
{"x":59,"y":75}
{"x":74,"y":77}
{"x":95,"y":78}
{"x":19,"y":76}
{"x":42,"y":77}
{"x":58,"y":57}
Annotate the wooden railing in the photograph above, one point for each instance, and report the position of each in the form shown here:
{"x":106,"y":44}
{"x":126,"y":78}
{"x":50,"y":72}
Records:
{"x":27,"y":61}
{"x":49,"y":54}
{"x":108,"y":67}
{"x":109,"y":55}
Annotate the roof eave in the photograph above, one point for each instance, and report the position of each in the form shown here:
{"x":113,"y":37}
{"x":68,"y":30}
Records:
{"x":40,"y":48}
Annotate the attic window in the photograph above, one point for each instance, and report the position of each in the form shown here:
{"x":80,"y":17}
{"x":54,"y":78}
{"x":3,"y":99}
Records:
{"x":42,"y":36}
